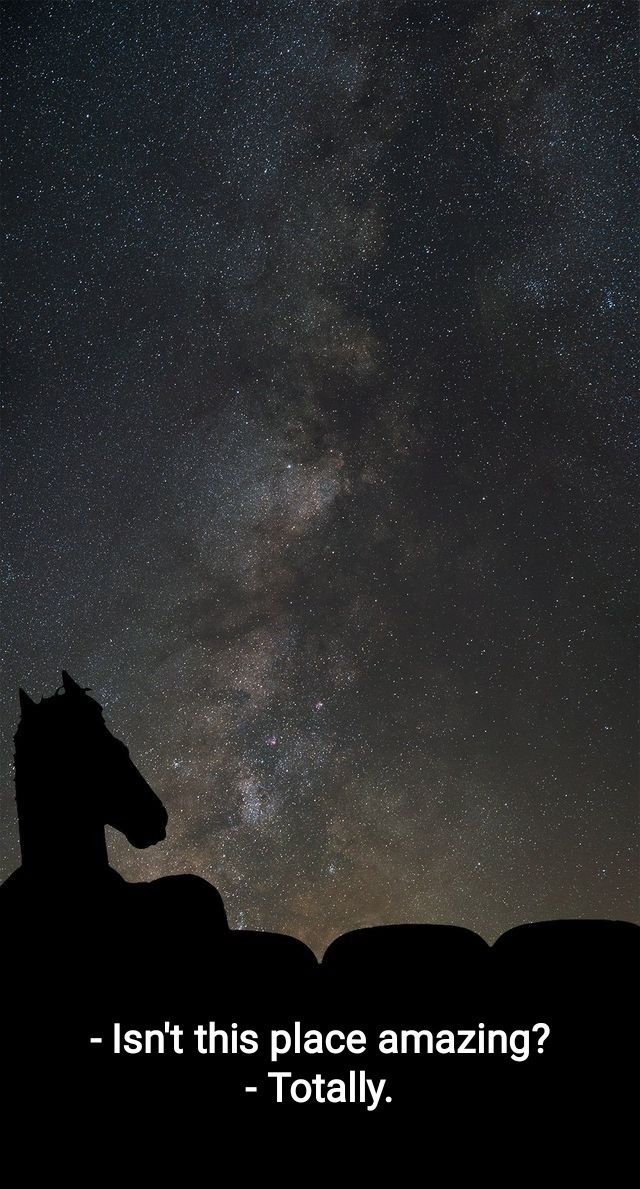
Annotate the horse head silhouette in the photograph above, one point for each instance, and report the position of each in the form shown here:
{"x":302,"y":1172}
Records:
{"x":72,"y":778}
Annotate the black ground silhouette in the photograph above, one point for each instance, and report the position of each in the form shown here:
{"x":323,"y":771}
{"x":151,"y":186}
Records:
{"x":83,"y":949}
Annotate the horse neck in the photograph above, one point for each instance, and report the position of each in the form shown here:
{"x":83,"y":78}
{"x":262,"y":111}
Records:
{"x":56,"y":837}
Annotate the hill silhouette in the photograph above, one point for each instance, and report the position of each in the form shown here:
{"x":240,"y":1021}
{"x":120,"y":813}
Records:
{"x":84,"y":949}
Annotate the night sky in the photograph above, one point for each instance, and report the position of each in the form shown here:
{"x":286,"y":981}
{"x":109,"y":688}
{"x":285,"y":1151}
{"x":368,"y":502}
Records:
{"x":319,"y":442}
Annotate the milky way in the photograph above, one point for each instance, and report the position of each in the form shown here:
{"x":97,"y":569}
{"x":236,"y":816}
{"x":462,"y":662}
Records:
{"x":319,"y":463}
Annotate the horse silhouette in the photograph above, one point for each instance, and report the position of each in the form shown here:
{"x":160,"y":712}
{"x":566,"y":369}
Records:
{"x":72,"y":778}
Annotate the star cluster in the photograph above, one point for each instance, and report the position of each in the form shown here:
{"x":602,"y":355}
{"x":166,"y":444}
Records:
{"x":319,"y":455}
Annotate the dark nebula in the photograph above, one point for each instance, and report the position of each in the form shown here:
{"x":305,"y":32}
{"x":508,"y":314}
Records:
{"x":319,"y":459}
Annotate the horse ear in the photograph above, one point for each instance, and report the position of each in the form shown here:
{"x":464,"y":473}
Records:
{"x":27,"y":704}
{"x":70,"y":686}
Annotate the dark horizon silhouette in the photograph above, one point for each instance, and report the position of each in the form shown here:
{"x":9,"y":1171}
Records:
{"x":163,"y":950}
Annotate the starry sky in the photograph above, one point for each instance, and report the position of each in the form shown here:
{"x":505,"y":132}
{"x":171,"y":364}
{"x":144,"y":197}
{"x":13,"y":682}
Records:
{"x":319,"y":446}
